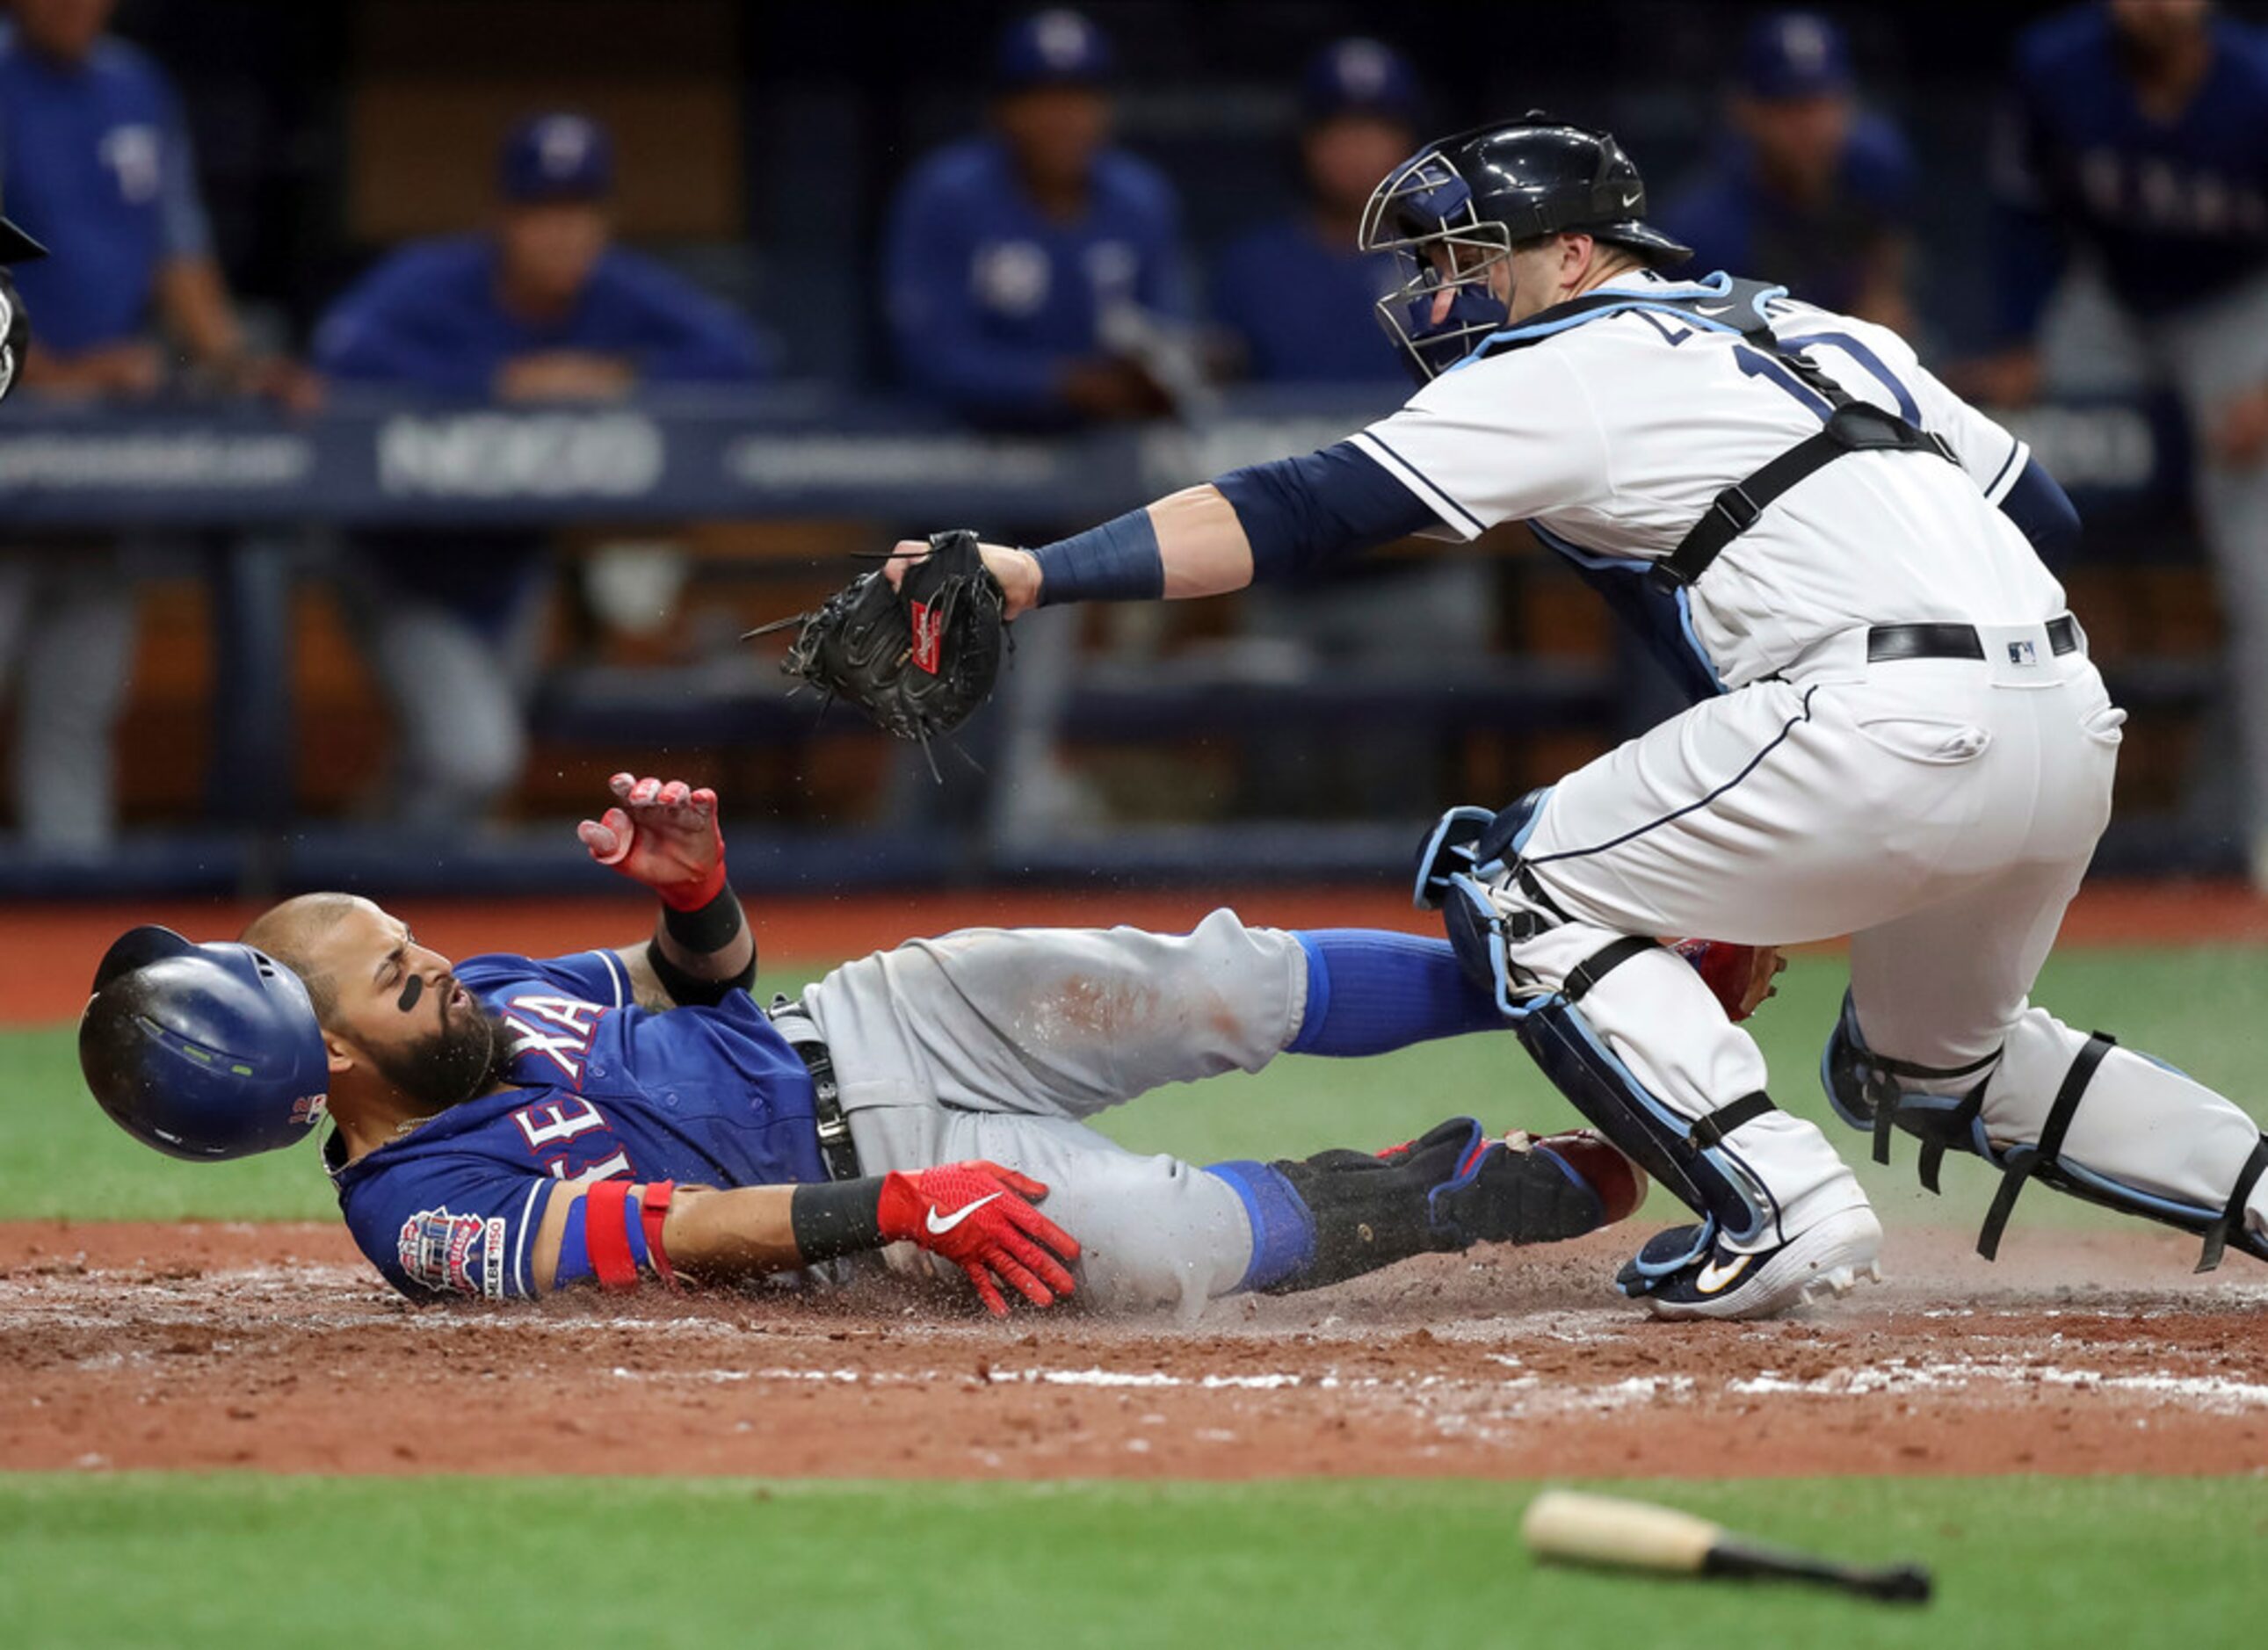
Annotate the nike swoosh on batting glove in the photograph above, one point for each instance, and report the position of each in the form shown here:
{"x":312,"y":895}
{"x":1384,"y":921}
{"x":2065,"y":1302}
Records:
{"x":979,"y":1217}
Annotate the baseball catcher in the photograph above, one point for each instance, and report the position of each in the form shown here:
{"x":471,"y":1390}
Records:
{"x":508,"y":1126}
{"x":1895,"y":733}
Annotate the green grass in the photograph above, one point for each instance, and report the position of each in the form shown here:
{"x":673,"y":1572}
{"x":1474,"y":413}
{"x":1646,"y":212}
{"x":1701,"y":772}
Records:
{"x":250,"y":1561}
{"x":60,"y":1156}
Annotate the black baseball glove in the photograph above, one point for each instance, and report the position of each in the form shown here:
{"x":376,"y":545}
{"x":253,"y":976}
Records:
{"x":919,"y":659}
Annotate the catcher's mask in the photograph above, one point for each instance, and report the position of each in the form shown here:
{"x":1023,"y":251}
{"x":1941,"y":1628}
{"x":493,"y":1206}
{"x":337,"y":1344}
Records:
{"x":1456,"y":209}
{"x":203,"y":1051}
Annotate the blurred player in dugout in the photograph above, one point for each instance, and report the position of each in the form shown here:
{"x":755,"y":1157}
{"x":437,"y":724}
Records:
{"x":539,"y":307}
{"x":1297,"y":299}
{"x":95,"y":161}
{"x":1028,"y":269}
{"x":1804,"y":185}
{"x":1032,"y":280}
{"x":2132,"y":249}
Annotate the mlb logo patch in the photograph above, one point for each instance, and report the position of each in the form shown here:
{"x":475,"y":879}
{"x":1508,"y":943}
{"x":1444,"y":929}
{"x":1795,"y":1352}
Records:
{"x":454,"y":1252}
{"x":2023,"y":653}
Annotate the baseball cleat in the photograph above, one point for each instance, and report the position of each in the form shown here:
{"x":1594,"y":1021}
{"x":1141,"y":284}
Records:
{"x":1684,"y":1273}
{"x":1526,"y":1189}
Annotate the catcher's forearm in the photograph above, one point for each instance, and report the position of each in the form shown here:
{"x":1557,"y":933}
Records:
{"x":1189,"y":544}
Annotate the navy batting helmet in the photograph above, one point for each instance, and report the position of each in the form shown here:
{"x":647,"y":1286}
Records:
{"x":1458,"y":206}
{"x":204,"y":1051}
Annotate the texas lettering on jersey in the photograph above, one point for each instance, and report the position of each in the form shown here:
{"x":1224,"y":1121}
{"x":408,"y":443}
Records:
{"x":554,"y":1027}
{"x":597,"y":1089}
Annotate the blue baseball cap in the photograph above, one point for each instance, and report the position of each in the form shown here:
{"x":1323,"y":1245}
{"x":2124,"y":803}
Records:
{"x":1795,"y":54}
{"x":1054,"y":48}
{"x":557,"y":158}
{"x":1358,"y":76}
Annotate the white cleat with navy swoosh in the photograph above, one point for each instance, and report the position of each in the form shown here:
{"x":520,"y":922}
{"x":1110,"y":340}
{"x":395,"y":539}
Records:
{"x":1684,"y":1273}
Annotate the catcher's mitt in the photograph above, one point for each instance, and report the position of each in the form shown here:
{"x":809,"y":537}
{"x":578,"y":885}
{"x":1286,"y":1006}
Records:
{"x":919,"y":659}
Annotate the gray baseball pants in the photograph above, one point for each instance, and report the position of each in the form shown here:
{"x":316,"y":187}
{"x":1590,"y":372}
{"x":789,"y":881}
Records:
{"x":999,"y":1044}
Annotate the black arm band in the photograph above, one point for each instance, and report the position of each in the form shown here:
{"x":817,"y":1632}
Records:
{"x":836,"y":1218}
{"x":711,"y":928}
{"x":690,"y":990}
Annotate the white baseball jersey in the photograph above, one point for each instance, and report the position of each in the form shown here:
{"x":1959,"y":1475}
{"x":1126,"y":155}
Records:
{"x":1612,"y":437}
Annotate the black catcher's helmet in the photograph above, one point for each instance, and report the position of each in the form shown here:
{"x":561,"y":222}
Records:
{"x":1458,"y":206}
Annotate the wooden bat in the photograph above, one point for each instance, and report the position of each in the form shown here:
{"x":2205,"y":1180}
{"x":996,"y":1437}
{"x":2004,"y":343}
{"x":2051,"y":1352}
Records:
{"x":1602,"y":1529}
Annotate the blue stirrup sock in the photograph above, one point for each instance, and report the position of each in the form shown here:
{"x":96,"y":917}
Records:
{"x":1283,"y":1226}
{"x":1370,"y":990}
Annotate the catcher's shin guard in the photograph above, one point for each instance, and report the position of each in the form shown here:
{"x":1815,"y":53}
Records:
{"x":1688,"y":1157}
{"x":1865,"y":1090}
{"x":1492,"y":907}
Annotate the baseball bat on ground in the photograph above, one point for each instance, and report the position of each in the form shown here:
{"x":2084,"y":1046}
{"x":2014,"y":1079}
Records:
{"x":1602,"y":1529}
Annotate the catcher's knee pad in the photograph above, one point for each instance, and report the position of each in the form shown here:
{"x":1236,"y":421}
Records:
{"x":1688,"y":1156}
{"x":1470,"y":867}
{"x":1866,"y":1092}
{"x":1865,"y":1089}
{"x":1474,"y":840}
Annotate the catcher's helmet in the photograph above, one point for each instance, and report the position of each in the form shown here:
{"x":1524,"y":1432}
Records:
{"x":204,"y":1051}
{"x":1474,"y":197}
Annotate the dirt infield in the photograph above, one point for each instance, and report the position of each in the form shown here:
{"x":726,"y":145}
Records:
{"x":272,"y":1347}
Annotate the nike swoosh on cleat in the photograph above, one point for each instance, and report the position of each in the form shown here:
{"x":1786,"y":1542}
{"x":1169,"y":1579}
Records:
{"x":1630,"y":201}
{"x":1704,"y":309}
{"x":937,"y":1227}
{"x":1711,"y":1280}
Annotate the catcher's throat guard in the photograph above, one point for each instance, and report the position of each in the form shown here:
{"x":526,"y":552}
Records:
{"x":918,"y":659}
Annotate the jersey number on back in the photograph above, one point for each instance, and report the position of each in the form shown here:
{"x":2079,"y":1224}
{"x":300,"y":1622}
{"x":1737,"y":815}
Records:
{"x":1756,"y":364}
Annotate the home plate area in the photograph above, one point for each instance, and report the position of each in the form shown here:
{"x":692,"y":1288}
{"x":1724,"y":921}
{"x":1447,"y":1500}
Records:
{"x":272,"y":1347}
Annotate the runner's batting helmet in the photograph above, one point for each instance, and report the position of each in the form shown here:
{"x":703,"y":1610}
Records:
{"x":204,"y":1051}
{"x":1458,"y":207}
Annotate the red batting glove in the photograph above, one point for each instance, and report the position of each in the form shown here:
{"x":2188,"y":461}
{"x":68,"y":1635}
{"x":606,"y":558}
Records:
{"x":979,"y":1216}
{"x":1741,"y":976}
{"x":663,"y":834}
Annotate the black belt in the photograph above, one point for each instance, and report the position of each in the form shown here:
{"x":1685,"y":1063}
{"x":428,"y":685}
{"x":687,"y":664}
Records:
{"x":835,"y":1146}
{"x":1955,"y":641}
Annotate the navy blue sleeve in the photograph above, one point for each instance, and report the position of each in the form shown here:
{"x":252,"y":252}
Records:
{"x":686,"y":335}
{"x":452,"y":1225}
{"x":395,"y":327}
{"x":1304,"y":513}
{"x":2037,"y":503}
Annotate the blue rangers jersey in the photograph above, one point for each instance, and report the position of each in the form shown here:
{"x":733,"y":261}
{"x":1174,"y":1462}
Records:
{"x":602,"y":1090}
{"x":2177,"y":209}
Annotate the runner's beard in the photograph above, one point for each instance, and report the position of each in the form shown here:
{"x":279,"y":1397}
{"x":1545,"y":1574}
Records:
{"x":467,"y":1055}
